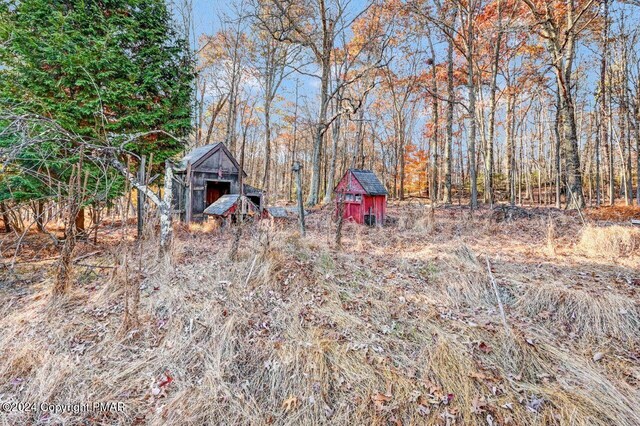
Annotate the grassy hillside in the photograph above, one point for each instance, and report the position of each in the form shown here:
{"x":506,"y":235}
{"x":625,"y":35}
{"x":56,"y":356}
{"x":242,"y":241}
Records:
{"x":401,"y":325}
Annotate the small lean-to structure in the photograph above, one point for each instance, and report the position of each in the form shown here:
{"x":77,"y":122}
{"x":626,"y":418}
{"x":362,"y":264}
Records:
{"x":232,"y":206}
{"x":363,"y":197}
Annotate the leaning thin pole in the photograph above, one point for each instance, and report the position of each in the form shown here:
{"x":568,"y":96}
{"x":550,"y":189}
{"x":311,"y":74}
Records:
{"x":497,"y":293}
{"x":296,"y":168}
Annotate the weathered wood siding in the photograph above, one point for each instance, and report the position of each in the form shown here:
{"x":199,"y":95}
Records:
{"x":216,"y":161}
{"x":178,"y":196}
{"x":199,"y":187}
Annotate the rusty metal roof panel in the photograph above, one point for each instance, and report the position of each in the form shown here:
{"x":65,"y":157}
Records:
{"x":277,"y":212}
{"x":222,"y":205}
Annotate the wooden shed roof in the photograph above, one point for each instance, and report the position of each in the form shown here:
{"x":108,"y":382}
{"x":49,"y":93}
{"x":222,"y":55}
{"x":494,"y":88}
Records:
{"x":196,"y":154}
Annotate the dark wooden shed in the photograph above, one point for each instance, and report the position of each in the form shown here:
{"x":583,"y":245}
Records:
{"x":205,"y":175}
{"x":364,"y":197}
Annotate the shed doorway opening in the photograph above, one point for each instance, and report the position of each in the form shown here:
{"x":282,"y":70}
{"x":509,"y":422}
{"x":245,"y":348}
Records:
{"x":216,"y":189}
{"x":255,"y":199}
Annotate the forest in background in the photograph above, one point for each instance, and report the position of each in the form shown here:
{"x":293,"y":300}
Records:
{"x":529,"y":102}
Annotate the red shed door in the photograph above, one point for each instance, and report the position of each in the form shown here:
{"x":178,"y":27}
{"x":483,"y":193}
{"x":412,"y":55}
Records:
{"x":352,"y":211}
{"x":369,"y":212}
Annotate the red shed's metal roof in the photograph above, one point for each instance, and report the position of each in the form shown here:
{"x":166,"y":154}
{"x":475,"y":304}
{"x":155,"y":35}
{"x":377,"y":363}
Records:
{"x":369,"y":182}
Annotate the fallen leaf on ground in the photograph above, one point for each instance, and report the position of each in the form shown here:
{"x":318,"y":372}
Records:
{"x":380,"y":399}
{"x":290,"y":403}
{"x":478,"y":405}
{"x":165,"y":380}
{"x":535,"y":404}
{"x":423,"y":410}
{"x":484,"y":347}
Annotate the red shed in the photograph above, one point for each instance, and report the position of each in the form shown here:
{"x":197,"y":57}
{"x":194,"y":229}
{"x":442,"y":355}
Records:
{"x":365,"y":198}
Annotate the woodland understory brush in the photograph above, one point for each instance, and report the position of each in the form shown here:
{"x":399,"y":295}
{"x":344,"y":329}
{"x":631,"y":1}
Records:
{"x":399,"y":325}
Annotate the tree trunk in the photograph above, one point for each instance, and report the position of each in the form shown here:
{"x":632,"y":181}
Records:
{"x":448,"y":158}
{"x":558,"y":144}
{"x":472,"y":109}
{"x":436,"y":133}
{"x":488,"y":158}
{"x":215,"y":111}
{"x":79,"y":222}
{"x":5,"y":218}
{"x":511,"y":160}
{"x":230,"y":137}
{"x":402,"y":162}
{"x":434,"y":168}
{"x":165,"y":209}
{"x":296,"y":169}
{"x":609,"y":149}
{"x":597,"y":161}
{"x":575,"y":197}
{"x":74,"y":197}
{"x":625,"y":124}
{"x":603,"y":96}
{"x":637,"y":120}
{"x":267,"y":143}
{"x":39,"y":215}
{"x":334,"y":155}
{"x":320,"y":129}
{"x":358,"y":158}
{"x":200,"y":110}
{"x":561,"y":40}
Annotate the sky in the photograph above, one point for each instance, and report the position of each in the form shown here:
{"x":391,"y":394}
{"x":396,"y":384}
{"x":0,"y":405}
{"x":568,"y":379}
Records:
{"x":206,"y":14}
{"x":209,"y":15}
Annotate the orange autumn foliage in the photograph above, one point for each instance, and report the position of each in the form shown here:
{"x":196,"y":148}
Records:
{"x":415,"y":168}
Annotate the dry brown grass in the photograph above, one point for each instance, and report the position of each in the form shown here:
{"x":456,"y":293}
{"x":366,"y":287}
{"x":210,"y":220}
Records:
{"x":610,"y":242}
{"x":401,"y":326}
{"x":615,"y":213}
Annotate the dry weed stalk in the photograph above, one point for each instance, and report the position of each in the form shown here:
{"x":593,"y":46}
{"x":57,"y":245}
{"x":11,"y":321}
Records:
{"x":235,"y":245}
{"x":340,"y":219}
{"x":499,"y":300}
{"x":76,"y":192}
{"x":551,"y":237}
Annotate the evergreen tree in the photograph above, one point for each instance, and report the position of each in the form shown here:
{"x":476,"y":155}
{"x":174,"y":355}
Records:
{"x":98,"y":69}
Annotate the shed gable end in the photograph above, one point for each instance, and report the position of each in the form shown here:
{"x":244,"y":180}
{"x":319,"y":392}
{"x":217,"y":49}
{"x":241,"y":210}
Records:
{"x":217,"y":160}
{"x":349,"y":184}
